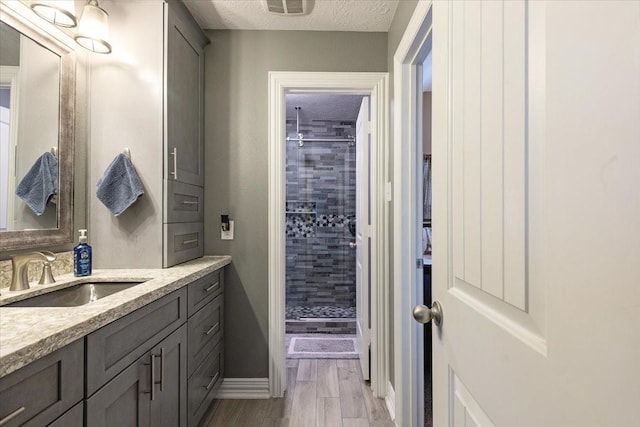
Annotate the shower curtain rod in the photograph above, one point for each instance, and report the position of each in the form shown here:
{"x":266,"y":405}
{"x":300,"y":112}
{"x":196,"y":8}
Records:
{"x":301,"y":139}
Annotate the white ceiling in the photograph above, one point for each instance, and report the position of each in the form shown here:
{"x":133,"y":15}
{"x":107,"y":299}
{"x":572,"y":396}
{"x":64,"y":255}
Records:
{"x":323,"y":107}
{"x":325,"y":15}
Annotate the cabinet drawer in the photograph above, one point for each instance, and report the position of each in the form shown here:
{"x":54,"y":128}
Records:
{"x":205,"y":331}
{"x":204,"y":290}
{"x":118,"y":344}
{"x":182,"y":242}
{"x":185,"y":203}
{"x":203,"y":383}
{"x":42,"y":391}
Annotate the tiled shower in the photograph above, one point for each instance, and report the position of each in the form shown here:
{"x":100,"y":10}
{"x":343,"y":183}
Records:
{"x":320,"y":224}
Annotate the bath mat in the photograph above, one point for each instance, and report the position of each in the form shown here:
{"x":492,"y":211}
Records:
{"x":322,"y":348}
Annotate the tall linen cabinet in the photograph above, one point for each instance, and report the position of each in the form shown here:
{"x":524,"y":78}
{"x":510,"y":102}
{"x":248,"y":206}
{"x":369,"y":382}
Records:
{"x":148,"y":96}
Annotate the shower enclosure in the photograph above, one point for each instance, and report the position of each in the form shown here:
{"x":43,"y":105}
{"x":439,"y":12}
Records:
{"x":320,"y":224}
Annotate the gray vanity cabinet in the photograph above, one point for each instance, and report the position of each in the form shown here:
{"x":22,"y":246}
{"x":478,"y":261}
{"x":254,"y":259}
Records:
{"x":157,"y":366}
{"x":44,"y":390}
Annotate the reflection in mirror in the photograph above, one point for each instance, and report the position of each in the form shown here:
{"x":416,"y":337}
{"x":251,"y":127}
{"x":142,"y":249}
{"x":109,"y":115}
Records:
{"x":29,"y":130}
{"x":40,"y":117}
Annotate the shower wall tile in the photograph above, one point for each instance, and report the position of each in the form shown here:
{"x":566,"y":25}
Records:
{"x":321,"y":196}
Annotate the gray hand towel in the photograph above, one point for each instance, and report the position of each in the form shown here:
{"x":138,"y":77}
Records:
{"x":120,"y":185}
{"x":40,"y":183}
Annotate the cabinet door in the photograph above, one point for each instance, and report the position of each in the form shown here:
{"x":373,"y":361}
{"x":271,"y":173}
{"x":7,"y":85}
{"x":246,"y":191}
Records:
{"x":169,"y":405}
{"x":184,"y":98}
{"x":72,"y":418}
{"x":123,"y":401}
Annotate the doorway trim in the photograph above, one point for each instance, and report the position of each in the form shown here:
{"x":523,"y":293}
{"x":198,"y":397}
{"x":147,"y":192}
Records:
{"x":10,"y":77}
{"x":375,"y":85}
{"x":413,"y":49}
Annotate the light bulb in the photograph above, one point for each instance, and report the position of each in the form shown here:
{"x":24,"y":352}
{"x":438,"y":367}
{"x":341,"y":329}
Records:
{"x":93,"y":29}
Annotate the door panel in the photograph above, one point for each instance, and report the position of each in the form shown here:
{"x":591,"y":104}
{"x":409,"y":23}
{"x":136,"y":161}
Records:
{"x":466,"y":411}
{"x":489,"y":165}
{"x":185,"y":71}
{"x":123,"y":401}
{"x":363,"y":236}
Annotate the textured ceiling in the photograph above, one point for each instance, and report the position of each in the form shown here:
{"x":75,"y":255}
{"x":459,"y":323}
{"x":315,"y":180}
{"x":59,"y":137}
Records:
{"x":325,"y":15}
{"x":323,"y":107}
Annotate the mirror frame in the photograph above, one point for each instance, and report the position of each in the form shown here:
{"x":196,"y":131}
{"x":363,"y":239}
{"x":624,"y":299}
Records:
{"x":20,"y":17}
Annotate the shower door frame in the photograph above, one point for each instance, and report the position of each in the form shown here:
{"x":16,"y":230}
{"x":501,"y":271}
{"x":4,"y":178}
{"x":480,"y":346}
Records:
{"x":376,"y":86}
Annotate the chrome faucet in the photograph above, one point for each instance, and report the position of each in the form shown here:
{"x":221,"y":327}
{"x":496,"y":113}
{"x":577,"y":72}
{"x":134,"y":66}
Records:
{"x":20,"y":262}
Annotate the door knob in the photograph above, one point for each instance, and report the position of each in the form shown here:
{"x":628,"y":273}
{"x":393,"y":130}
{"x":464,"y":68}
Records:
{"x":353,"y":244}
{"x":424,"y":314}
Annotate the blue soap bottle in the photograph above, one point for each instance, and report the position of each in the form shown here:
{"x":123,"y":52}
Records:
{"x":82,"y":256}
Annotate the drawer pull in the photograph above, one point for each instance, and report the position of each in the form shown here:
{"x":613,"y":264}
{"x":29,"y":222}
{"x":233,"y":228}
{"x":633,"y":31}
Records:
{"x":188,"y":242}
{"x":161,"y":368}
{"x":212,"y":287}
{"x":212,"y":382}
{"x":187,"y":202}
{"x":174,"y":153}
{"x":212,"y":328}
{"x":152,"y":379}
{"x":12,"y":415}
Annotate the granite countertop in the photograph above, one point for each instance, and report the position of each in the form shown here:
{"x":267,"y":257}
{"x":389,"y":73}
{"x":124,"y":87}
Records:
{"x":29,"y":333}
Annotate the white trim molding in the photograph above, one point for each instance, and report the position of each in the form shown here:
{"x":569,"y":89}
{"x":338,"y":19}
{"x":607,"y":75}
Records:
{"x":390,"y":401}
{"x":407,"y":208}
{"x":375,"y":85}
{"x":243,"y":388}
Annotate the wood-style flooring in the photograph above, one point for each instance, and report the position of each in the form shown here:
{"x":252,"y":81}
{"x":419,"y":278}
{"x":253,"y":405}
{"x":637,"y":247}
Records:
{"x":320,"y":393}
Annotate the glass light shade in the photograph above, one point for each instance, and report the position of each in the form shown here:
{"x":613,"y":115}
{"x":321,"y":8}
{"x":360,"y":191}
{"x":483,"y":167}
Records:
{"x":59,"y":12}
{"x":93,"y":29}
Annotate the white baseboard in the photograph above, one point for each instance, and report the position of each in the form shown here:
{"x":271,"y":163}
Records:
{"x":244,"y":388}
{"x":390,"y":400}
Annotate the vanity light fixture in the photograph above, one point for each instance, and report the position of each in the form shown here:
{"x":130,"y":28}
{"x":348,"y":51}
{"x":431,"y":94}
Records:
{"x":93,"y":29}
{"x":59,"y":12}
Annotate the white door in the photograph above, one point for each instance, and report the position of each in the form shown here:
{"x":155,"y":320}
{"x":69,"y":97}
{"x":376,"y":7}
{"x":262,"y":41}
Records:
{"x":536,"y":132}
{"x":363,"y":235}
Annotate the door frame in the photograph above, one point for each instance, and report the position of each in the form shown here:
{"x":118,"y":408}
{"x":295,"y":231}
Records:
{"x":10,"y":77}
{"x":375,"y":85}
{"x":413,"y":49}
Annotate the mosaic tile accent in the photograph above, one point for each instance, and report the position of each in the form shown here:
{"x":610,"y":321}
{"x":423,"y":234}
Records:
{"x":321,"y":201}
{"x":330,"y":312}
{"x":346,"y":326}
{"x":62,"y":265}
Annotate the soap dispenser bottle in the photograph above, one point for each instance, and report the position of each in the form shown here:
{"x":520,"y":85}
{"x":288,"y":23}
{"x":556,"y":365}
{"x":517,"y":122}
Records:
{"x":82,"y":256}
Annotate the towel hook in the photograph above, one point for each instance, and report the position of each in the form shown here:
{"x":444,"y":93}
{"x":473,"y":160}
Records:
{"x":54,"y":151}
{"x":127,"y":152}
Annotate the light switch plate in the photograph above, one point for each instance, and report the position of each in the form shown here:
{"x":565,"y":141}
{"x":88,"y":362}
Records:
{"x":227,"y":235}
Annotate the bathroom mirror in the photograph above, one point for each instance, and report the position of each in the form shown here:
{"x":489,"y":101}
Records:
{"x":37,"y":110}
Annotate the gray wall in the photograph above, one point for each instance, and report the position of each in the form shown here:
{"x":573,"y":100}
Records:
{"x":236,"y":85}
{"x":396,"y":31}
